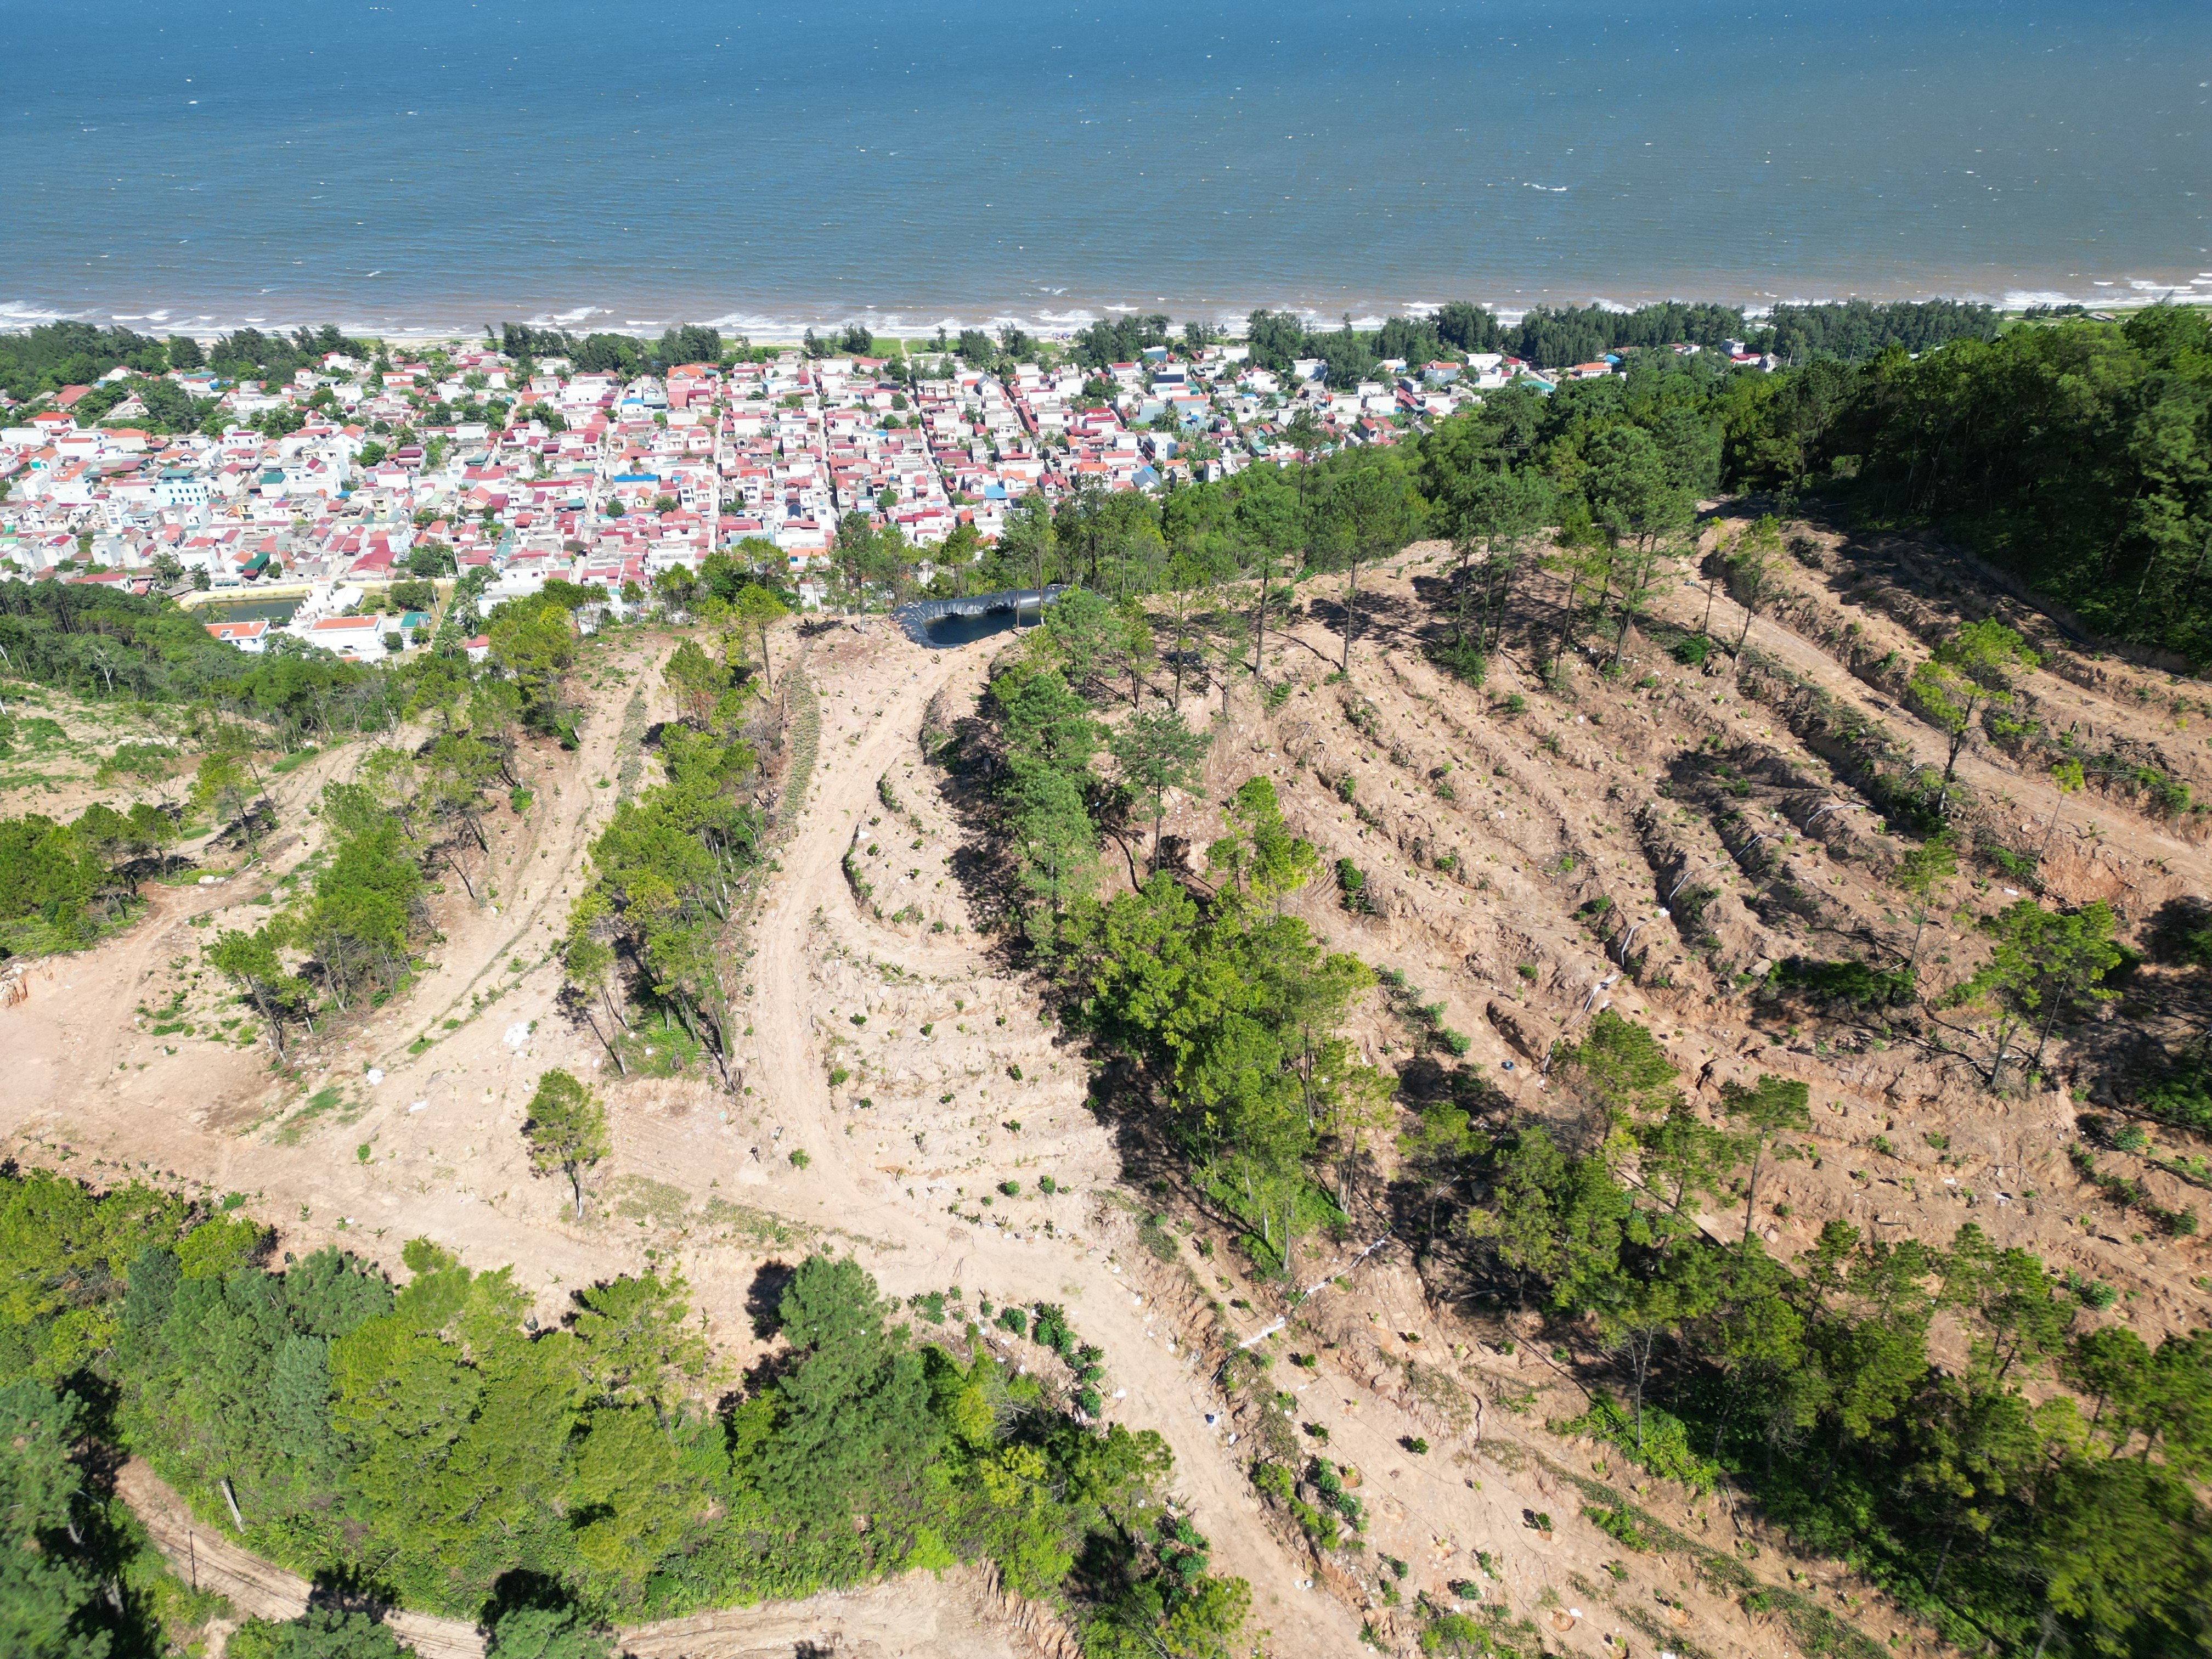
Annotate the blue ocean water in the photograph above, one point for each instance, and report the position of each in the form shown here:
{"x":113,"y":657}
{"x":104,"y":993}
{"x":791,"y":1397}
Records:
{"x":440,"y":163}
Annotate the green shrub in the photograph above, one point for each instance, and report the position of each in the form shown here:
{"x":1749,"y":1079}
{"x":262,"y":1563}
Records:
{"x":1461,"y":660}
{"x":1665,"y":1443}
{"x":1618,"y":1524}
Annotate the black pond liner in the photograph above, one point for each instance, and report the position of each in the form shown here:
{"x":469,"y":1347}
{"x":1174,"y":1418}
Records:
{"x":945,"y":625}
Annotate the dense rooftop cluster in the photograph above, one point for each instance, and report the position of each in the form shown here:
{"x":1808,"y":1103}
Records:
{"x":359,"y":469}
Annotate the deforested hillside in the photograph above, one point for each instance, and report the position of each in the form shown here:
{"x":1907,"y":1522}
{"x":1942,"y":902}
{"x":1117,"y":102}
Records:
{"x":1780,"y":1011}
{"x":1563,"y":1035}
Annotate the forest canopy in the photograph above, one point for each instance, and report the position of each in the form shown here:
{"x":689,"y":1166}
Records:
{"x":420,"y":1439}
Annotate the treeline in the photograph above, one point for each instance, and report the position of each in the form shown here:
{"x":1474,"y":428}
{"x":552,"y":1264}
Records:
{"x":62,"y":885}
{"x":247,"y":353}
{"x":1228,"y":1012}
{"x":1234,"y":1013}
{"x":430,"y":1446}
{"x":51,"y":356}
{"x":98,"y":644}
{"x":1559,"y":336}
{"x":1951,"y":1419}
{"x":408,"y":816}
{"x":1611,"y":469}
{"x":2077,"y":454}
{"x":609,"y":354}
{"x":351,"y":935}
{"x":1121,"y":339}
{"x":1956,"y":1419}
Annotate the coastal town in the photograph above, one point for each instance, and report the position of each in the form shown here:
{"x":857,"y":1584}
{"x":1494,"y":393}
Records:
{"x":322,"y":492}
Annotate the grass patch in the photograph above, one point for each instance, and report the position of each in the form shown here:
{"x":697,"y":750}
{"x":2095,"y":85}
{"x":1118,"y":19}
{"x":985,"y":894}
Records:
{"x":322,"y":1102}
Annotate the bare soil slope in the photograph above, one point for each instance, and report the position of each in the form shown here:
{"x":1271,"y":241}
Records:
{"x":892,"y":1040}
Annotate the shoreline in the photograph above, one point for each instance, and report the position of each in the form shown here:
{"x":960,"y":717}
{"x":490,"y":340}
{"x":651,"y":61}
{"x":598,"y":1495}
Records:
{"x":1047,"y":322}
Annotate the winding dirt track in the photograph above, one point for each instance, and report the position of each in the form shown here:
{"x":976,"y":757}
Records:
{"x":98,"y":1087}
{"x":1166,"y":1393}
{"x":207,"y":1561}
{"x":920,"y":1617}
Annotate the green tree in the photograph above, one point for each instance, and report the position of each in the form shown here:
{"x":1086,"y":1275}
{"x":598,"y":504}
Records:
{"x":2122,"y":1550}
{"x":1621,"y":1071}
{"x":637,"y":1345}
{"x":148,"y":830}
{"x":1362,"y":513}
{"x":1029,"y":541}
{"x":1186,"y":584}
{"x":695,"y":679}
{"x":225,"y":787}
{"x":1920,"y":872}
{"x":566,"y":1130}
{"x":533,"y":642}
{"x":2066,"y":779}
{"x":1081,"y":631}
{"x":366,"y":900}
{"x":1769,"y":1108}
{"x":49,"y":1605}
{"x":554,"y":1633}
{"x":2044,"y":965}
{"x":1754,"y":575}
{"x":588,"y":961}
{"x":756,"y":610}
{"x":1970,"y":673}
{"x":855,"y":1419}
{"x":1638,"y":503}
{"x":1496,"y":515}
{"x":1261,"y":856}
{"x":319,"y":1633}
{"x":457,"y":772}
{"x":1157,"y":751}
{"x":250,"y":961}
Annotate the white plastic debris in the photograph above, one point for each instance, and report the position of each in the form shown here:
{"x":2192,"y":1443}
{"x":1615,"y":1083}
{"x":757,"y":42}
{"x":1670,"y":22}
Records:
{"x":420,"y":1106}
{"x":375,"y":1077}
{"x":516,"y":1035}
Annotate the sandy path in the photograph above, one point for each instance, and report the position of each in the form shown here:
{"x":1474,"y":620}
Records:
{"x":206,"y":1559}
{"x":444,"y":1160}
{"x":918,"y":1617}
{"x":1165,"y":1391}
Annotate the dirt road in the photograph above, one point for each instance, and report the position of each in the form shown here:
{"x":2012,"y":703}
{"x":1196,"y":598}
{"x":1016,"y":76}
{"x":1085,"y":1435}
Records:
{"x":884,"y":1038}
{"x":958,"y":1615}
{"x":406,"y":1123}
{"x":1165,"y":1388}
